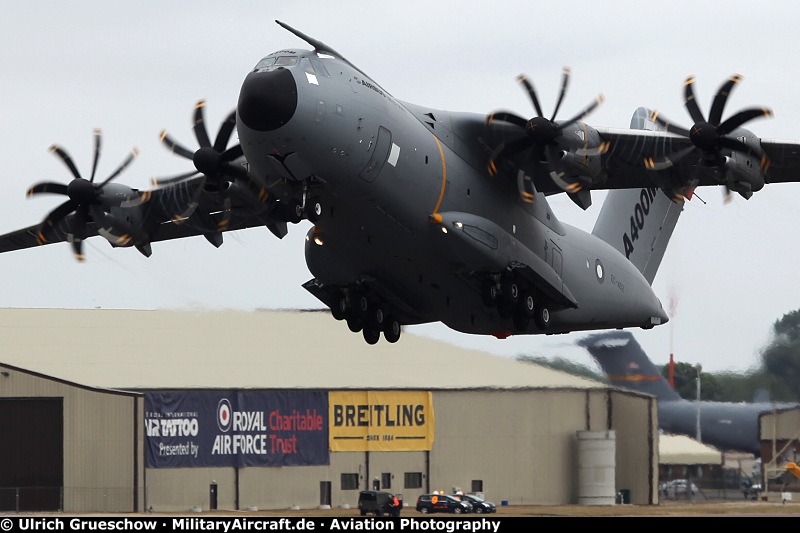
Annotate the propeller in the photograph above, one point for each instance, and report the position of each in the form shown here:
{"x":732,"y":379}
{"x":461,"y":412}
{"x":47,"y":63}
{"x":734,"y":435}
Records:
{"x":87,"y":202}
{"x":215,"y":163}
{"x":710,"y":137}
{"x":545,"y":136}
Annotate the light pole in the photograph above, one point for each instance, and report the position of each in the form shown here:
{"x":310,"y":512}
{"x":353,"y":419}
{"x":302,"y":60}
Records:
{"x":699,"y":368}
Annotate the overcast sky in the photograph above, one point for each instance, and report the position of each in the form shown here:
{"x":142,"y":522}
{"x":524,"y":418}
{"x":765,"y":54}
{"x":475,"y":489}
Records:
{"x":132,"y":68}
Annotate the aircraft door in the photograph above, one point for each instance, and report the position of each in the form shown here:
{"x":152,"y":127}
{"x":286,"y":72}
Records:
{"x":556,"y":260}
{"x":380,"y":154}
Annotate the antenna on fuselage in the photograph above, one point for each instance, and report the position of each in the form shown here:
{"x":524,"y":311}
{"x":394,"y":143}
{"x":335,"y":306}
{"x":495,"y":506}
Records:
{"x":319,"y":46}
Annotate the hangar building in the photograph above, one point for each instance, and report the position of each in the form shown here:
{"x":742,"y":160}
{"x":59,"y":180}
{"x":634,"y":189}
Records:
{"x":118,"y":410}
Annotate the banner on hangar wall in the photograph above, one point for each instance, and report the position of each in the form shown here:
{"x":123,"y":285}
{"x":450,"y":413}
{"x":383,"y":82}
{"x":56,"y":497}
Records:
{"x":236,"y":428}
{"x":390,"y":421}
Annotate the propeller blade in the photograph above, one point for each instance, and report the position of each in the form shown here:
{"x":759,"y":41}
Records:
{"x":565,"y":182}
{"x":506,"y":150}
{"x":57,"y":215}
{"x":506,"y":116}
{"x":78,"y":229}
{"x":156,"y":182}
{"x":565,"y":74}
{"x":194,"y":201}
{"x":651,"y":163}
{"x":742,"y":117}
{"x":60,"y":152}
{"x":231,"y":153}
{"x":128,"y":160}
{"x":727,"y":195}
{"x":691,"y":102}
{"x":588,"y":109}
{"x":527,"y":191}
{"x":174,"y":146}
{"x":47,"y":187}
{"x":97,"y":136}
{"x":531,"y":94}
{"x":671,"y":128}
{"x":715,"y":116}
{"x":199,"y":125}
{"x":600,"y":149}
{"x":224,"y":133}
{"x":247,"y":196}
{"x":222,"y":225}
{"x":77,"y":249}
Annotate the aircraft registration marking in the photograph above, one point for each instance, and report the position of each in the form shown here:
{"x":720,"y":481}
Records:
{"x":640,"y":212}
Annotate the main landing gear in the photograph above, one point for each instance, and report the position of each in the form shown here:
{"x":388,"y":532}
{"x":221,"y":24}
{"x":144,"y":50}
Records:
{"x":513,"y":298}
{"x":364,"y":312}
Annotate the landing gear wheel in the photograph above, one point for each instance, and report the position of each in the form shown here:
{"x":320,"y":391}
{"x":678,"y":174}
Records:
{"x":541,"y":317}
{"x":391,"y":330}
{"x":355,"y":324}
{"x":313,"y":209}
{"x":527,"y":305}
{"x":423,"y":510}
{"x":489,"y":293}
{"x":339,"y":309}
{"x":372,"y":336}
{"x":293,"y":211}
{"x":457,"y":510}
{"x":510,"y":289}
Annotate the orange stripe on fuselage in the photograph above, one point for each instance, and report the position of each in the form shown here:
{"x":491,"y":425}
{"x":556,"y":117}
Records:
{"x":444,"y":174}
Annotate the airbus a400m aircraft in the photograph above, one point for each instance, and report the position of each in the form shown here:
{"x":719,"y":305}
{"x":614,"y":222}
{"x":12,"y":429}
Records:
{"x":422,"y":215}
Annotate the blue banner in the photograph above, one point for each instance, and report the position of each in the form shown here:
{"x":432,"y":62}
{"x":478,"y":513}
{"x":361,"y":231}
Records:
{"x":236,"y":428}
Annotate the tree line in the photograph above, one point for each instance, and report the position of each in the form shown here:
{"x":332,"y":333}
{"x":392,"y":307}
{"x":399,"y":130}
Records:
{"x":775,"y":377}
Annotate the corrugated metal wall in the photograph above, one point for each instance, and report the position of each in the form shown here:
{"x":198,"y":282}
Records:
{"x":635,"y":421}
{"x":520,"y":445}
{"x":100,"y":462}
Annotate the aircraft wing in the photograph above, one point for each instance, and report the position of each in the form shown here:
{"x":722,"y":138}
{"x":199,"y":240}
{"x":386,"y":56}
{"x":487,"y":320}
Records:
{"x":630,"y":149}
{"x":176,"y":210}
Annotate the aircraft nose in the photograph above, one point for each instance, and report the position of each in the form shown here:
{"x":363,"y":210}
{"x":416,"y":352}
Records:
{"x":267,"y":100}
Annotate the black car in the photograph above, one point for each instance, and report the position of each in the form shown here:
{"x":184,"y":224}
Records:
{"x":479,"y":505}
{"x":378,"y":503}
{"x":442,"y":503}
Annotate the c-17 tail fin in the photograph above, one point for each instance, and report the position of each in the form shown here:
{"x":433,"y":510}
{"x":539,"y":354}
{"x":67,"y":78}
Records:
{"x":626,"y":365}
{"x":639,"y":222}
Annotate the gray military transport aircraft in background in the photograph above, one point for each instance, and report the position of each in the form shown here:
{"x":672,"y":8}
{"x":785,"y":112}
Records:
{"x":727,"y":426}
{"x":423,"y":215}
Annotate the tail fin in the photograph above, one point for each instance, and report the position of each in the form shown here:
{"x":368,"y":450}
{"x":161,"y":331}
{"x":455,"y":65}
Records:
{"x":627,"y":365}
{"x":639,"y":222}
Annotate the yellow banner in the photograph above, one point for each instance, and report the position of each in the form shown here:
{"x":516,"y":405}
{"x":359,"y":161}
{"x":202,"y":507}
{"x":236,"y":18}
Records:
{"x":380,"y":421}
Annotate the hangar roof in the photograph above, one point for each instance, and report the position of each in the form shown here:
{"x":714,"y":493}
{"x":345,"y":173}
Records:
{"x":162,"y":349}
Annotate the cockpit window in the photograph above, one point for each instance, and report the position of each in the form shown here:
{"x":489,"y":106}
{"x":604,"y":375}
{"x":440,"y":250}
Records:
{"x":319,"y":67}
{"x":272,"y":62}
{"x":264,"y":63}
{"x":286,"y":61}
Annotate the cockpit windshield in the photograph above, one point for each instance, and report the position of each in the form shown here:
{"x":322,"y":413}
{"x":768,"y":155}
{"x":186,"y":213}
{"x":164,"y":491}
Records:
{"x":286,"y":61}
{"x":272,"y":62}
